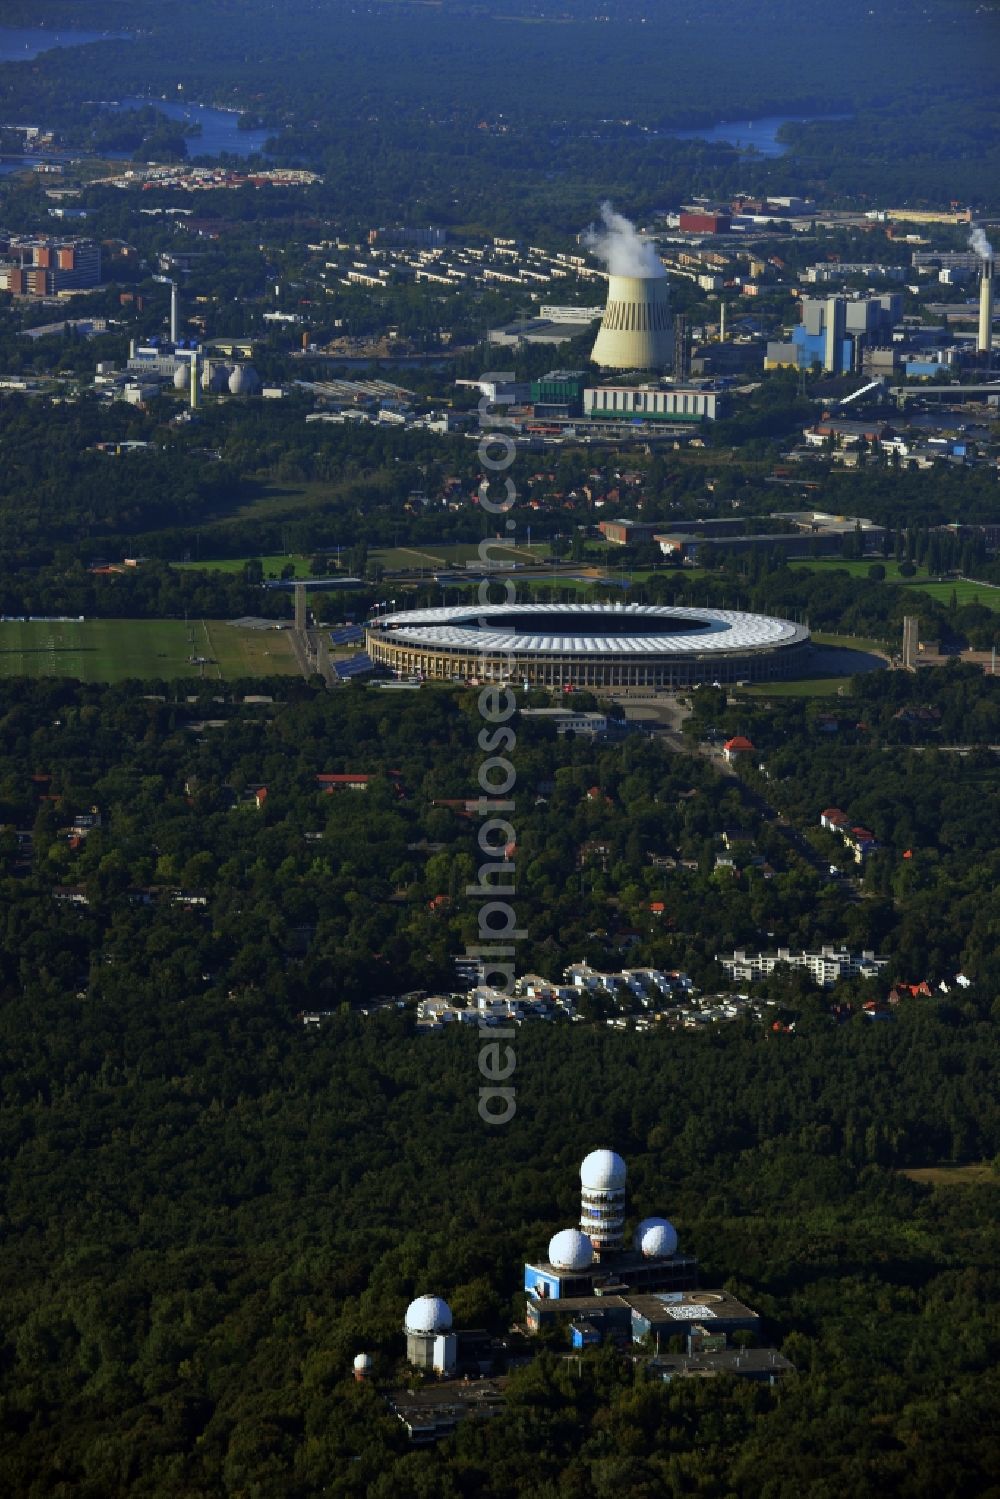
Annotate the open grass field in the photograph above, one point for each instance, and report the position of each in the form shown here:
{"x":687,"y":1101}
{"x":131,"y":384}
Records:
{"x":590,"y":590}
{"x":428,"y":558}
{"x":849,"y":642}
{"x":854,"y":568}
{"x":836,"y":660}
{"x":965,"y":592}
{"x":111,"y":650}
{"x":801,"y":687}
{"x":979,"y":1174}
{"x":272,"y":565}
{"x":433,"y":555}
{"x":275,"y":501}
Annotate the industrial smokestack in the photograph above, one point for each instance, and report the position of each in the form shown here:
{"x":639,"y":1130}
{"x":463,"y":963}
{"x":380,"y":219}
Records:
{"x":636,"y":331}
{"x":985,"y":341}
{"x":194,"y":379}
{"x":983,"y":248}
{"x":173,"y":312}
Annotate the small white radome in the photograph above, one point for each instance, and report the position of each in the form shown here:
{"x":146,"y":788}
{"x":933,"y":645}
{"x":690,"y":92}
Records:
{"x":570,"y":1250}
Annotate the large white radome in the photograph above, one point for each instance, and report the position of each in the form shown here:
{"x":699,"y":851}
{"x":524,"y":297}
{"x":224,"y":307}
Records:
{"x":603,"y":1171}
{"x":427,"y":1315}
{"x":570,"y":1250}
{"x":656,"y":1238}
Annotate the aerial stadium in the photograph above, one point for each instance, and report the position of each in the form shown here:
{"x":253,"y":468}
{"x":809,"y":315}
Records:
{"x":588,"y":645}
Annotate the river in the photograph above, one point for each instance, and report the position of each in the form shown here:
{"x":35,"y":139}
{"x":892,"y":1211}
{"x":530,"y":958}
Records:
{"x":220,"y":130}
{"x":760,"y":136}
{"x":22,"y":43}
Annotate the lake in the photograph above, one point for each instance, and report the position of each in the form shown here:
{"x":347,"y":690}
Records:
{"x":219,"y":127}
{"x":22,"y":43}
{"x":760,"y":135}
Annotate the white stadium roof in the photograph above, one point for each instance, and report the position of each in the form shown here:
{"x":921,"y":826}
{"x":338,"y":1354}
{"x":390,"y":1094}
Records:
{"x":468,"y":628}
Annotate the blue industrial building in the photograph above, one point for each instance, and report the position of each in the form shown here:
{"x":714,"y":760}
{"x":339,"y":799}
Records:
{"x":835,"y":331}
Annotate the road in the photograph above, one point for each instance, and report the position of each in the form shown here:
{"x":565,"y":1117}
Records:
{"x":299,"y":647}
{"x":665,"y":716}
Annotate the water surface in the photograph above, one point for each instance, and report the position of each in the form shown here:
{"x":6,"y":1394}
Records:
{"x":760,"y":135}
{"x":220,"y":130}
{"x":22,"y":43}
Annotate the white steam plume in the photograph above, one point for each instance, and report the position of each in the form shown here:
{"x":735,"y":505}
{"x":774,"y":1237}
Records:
{"x":979,"y":243}
{"x":617,"y":242}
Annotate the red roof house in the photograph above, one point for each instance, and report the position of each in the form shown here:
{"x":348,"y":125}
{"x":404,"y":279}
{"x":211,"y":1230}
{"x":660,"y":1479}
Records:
{"x":738,"y":745}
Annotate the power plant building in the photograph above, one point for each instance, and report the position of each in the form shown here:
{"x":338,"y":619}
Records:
{"x":654,"y":403}
{"x":835,"y":331}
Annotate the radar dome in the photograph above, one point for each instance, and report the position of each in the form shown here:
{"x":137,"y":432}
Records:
{"x":182,"y":377}
{"x":428,"y":1315}
{"x":571,"y":1250}
{"x":656,"y":1238}
{"x":603,"y":1171}
{"x":244,"y":381}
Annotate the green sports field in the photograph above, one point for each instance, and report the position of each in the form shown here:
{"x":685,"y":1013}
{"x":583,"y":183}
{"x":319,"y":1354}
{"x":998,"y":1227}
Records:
{"x":111,"y":650}
{"x":801,"y":687}
{"x":849,"y":642}
{"x":965,"y":592}
{"x":856,"y":569}
{"x":272,"y":564}
{"x":430,"y":558}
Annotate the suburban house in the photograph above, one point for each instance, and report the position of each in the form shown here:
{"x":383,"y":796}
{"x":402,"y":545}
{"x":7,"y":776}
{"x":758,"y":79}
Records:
{"x":861,"y":841}
{"x":738,"y":745}
{"x":354,"y":781}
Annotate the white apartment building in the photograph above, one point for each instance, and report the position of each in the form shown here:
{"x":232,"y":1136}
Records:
{"x":826,"y":966}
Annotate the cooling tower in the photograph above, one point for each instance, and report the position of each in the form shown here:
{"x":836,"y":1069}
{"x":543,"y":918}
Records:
{"x":636,"y":331}
{"x":984,"y":343}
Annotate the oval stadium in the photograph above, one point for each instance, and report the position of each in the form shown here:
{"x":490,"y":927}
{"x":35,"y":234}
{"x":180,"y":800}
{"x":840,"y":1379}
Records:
{"x":588,"y":645}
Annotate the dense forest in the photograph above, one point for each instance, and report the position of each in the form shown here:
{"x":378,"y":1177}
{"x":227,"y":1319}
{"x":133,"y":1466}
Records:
{"x":322,"y":900}
{"x":575,"y":102}
{"x":206,"y":1216}
{"x":208,"y":1209}
{"x":259,"y":478}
